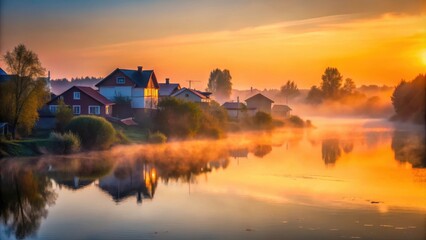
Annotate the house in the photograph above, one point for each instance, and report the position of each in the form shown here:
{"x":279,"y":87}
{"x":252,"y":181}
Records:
{"x":237,"y":109}
{"x":260,"y":103}
{"x":83,"y":100}
{"x":192,"y":95}
{"x":4,"y":129}
{"x":281,"y":110}
{"x":139,"y":86}
{"x":167,"y":89}
{"x":4,"y":77}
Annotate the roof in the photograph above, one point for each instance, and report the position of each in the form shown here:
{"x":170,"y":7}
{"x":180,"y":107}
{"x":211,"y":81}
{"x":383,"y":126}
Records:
{"x":195,"y":92}
{"x":140,"y":79}
{"x":90,"y":92}
{"x":168,"y":89}
{"x":2,"y":124}
{"x":2,"y":72}
{"x":257,"y":97}
{"x":283,"y":108}
{"x":233,"y":105}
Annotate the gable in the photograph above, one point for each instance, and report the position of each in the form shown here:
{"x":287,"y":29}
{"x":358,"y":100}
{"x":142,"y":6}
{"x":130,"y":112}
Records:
{"x":111,"y":80}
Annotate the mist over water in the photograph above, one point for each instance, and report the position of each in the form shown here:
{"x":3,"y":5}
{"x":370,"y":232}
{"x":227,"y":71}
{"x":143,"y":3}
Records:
{"x":346,"y":178}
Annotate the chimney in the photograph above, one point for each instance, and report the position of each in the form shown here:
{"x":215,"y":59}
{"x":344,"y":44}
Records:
{"x":139,"y":69}
{"x":167,"y":81}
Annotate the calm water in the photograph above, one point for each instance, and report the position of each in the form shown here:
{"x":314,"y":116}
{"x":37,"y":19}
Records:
{"x":343,"y":180}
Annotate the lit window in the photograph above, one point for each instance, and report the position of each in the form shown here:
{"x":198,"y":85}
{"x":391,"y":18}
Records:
{"x":108,"y":110}
{"x":95,"y":110}
{"x":120,"y":80}
{"x":53,"y":108}
{"x":76,"y":95}
{"x":76,"y":109}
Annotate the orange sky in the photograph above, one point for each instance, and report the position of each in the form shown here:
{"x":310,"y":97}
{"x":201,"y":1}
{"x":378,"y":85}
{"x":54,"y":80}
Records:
{"x":375,"y":49}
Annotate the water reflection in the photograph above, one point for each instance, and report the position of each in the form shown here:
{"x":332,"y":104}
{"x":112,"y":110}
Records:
{"x":24,"y":198}
{"x":330,"y":151}
{"x":410,"y":147}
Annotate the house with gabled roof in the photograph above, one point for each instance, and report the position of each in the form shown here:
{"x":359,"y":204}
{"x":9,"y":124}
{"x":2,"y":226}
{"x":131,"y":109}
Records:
{"x":139,"y":86}
{"x":82,"y":100}
{"x":167,"y":89}
{"x":281,"y":110}
{"x":260,"y":103}
{"x":192,"y":95}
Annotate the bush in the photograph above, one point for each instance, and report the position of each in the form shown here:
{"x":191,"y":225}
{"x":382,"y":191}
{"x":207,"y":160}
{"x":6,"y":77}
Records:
{"x":121,"y":138}
{"x":157,"y":138}
{"x":94,"y":132}
{"x":295,"y":121}
{"x":262,"y":120}
{"x":65,"y":143}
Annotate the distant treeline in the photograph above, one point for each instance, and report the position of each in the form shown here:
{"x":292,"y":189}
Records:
{"x":60,"y":85}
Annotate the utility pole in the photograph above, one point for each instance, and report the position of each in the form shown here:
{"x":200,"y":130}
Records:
{"x":190,"y":82}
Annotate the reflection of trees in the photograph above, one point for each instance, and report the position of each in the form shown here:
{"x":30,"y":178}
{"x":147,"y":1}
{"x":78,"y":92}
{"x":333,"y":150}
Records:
{"x":410,"y":147}
{"x":330,"y":151}
{"x":24,"y":197}
{"x":262,"y":150}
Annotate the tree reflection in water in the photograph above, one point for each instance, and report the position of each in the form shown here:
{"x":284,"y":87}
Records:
{"x":330,"y":151}
{"x":24,"y":198}
{"x":410,"y":147}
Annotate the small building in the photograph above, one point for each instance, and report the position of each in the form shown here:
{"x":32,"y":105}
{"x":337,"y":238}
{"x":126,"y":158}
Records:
{"x":281,"y":110}
{"x":4,"y":129}
{"x":167,"y":89}
{"x":83,"y":101}
{"x":234,"y":109}
{"x":260,"y":103}
{"x":192,"y":95}
{"x":139,"y":86}
{"x":4,"y":77}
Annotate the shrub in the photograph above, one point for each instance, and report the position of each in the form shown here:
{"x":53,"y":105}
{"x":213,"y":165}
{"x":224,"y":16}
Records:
{"x":157,"y":137}
{"x":65,"y":143}
{"x":63,"y":116}
{"x":94,"y":132}
{"x":121,"y":138}
{"x":262,"y":120}
{"x":295,"y":121}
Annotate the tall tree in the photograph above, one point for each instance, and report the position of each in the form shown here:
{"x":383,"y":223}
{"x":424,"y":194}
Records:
{"x":331,"y":82}
{"x":315,"y":95}
{"x":25,"y":93}
{"x":289,"y":90}
{"x":220,"y":83}
{"x":348,"y":87}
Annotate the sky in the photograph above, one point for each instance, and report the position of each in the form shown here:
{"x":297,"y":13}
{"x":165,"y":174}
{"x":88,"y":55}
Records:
{"x":262,"y":43}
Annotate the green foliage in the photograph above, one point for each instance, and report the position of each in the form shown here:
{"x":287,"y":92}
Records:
{"x":63,"y":116}
{"x":220,"y":83}
{"x":178,"y":118}
{"x":121,"y":138}
{"x":409,"y":99}
{"x":262,"y":120}
{"x":24,"y":93}
{"x":64,"y":143}
{"x":290,"y":90}
{"x":94,"y":132}
{"x":157,"y":137}
{"x":331,"y":82}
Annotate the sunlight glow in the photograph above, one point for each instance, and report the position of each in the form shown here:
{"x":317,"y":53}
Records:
{"x":423,"y":56}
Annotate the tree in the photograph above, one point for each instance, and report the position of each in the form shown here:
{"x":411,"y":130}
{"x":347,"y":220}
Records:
{"x":220,"y":83}
{"x":24,"y":93}
{"x":315,"y":95}
{"x":63,"y":116}
{"x":331,"y":82}
{"x":349,"y":87}
{"x":290,"y":90}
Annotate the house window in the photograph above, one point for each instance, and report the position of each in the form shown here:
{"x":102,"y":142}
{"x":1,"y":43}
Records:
{"x":76,"y":95}
{"x":120,"y":80}
{"x":76,"y":109}
{"x":95,"y":110}
{"x":53,"y":108}
{"x":186,"y":95}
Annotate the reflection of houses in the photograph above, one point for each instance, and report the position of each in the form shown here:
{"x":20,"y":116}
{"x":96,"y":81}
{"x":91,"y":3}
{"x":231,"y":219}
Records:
{"x":82,"y":100}
{"x":260,"y":103}
{"x":167,"y":89}
{"x":281,"y":110}
{"x":192,"y":95}
{"x":239,"y":152}
{"x":68,"y":181}
{"x":128,"y":181}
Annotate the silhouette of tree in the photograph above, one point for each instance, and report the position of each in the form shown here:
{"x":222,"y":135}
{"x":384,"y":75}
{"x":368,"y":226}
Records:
{"x":348,"y":87}
{"x":315,"y":96}
{"x":220,"y":83}
{"x":331,"y":82}
{"x":290,"y":90}
{"x":409,"y":100}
